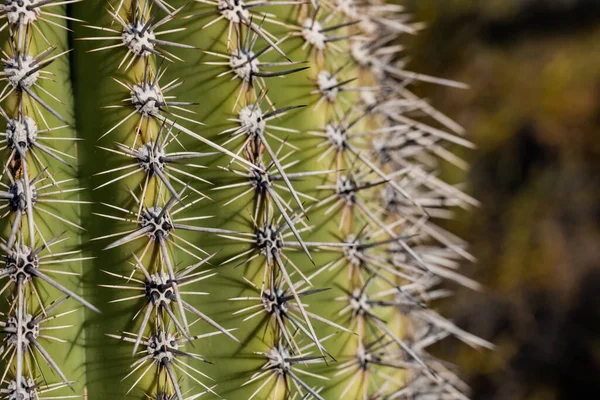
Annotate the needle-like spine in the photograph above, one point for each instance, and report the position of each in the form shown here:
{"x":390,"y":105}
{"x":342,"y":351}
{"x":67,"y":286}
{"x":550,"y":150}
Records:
{"x":36,"y":199}
{"x":337,"y":191}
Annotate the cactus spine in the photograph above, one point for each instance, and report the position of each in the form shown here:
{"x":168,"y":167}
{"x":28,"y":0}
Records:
{"x":41,"y":235}
{"x":265,"y":201}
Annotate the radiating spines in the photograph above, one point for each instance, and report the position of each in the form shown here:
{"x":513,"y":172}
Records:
{"x":23,"y":72}
{"x":245,"y":62}
{"x":375,"y":150}
{"x":154,"y":153}
{"x":270,"y":241}
{"x":148,"y":100}
{"x":31,"y":200}
{"x":265,"y":185}
{"x":156,"y":223}
{"x":253,"y":124}
{"x":21,"y":12}
{"x":349,"y":8}
{"x":248,"y":13}
{"x":158,"y":294}
{"x":151,"y":106}
{"x":410,"y":140}
{"x":437,"y":204}
{"x":351,"y":195}
{"x":379,"y":56}
{"x":418,"y":384}
{"x":264,"y":181}
{"x":268,"y":237}
{"x":364,"y":314}
{"x":165,"y":351}
{"x":445,"y":384}
{"x":283,"y":373}
{"x":373,"y":369}
{"x":257,"y":132}
{"x":392,"y":134}
{"x":25,"y":13}
{"x":140,"y":33}
{"x":30,"y":260}
{"x":438,"y":260}
{"x":33,"y":265}
{"x":155,"y":159}
{"x":413,"y":300}
{"x":275,"y":306}
{"x":164,"y":5}
{"x":320,"y":35}
{"x":23,"y":135}
{"x":346,"y":143}
{"x":30,"y":331}
{"x":163,"y":394}
{"x":31,"y":389}
{"x":363,"y":256}
{"x":334,"y":91}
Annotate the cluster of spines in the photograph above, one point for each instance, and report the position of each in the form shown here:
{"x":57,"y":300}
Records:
{"x":34,"y":199}
{"x":160,"y":171}
{"x":387,"y":198}
{"x":381,"y":184}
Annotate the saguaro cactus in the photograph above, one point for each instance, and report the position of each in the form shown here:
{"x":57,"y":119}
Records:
{"x":253,"y":206}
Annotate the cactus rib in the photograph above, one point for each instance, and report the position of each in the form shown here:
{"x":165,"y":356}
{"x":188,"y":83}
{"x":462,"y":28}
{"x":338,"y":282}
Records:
{"x":264,"y":202}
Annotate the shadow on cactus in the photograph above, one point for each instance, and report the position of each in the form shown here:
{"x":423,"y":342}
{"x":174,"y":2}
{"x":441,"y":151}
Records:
{"x":274,"y":147}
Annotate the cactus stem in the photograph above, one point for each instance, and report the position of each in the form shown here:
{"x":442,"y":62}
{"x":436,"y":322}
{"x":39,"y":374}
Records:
{"x":163,"y":350}
{"x":281,"y":364}
{"x":139,"y":36}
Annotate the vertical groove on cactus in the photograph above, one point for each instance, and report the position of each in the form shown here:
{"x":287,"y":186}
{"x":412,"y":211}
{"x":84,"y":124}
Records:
{"x":266,"y":199}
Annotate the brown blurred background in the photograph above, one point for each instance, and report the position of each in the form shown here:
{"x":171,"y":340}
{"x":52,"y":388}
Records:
{"x":533,"y":111}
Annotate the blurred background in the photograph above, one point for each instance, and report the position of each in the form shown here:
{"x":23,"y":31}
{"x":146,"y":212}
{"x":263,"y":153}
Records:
{"x":533,"y":111}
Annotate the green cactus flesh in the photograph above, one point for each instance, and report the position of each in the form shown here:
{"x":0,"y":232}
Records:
{"x":247,"y":191}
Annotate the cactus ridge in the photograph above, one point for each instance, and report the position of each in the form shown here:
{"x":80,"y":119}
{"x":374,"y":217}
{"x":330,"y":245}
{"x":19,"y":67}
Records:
{"x":280,"y":243}
{"x":37,"y":193}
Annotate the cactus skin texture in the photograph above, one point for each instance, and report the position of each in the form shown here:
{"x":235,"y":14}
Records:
{"x":254,"y":208}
